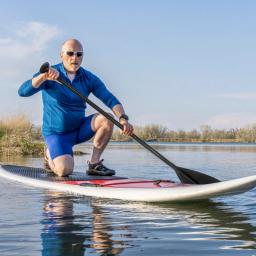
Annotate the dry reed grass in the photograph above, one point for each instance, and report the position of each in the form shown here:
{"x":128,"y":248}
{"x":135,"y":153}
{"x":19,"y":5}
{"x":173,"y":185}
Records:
{"x":19,"y":136}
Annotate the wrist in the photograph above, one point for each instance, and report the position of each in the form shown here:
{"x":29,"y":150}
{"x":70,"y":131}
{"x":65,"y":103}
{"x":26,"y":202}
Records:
{"x":123,"y":121}
{"x":123,"y":117}
{"x":37,"y":81}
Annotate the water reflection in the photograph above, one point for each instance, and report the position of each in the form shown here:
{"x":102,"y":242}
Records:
{"x":15,"y":159}
{"x":204,"y":221}
{"x":67,"y":233}
{"x":74,"y":226}
{"x":186,"y":146}
{"x":60,"y":235}
{"x":216,"y":220}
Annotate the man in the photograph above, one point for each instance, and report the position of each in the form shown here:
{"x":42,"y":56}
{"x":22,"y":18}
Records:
{"x":64,"y":121}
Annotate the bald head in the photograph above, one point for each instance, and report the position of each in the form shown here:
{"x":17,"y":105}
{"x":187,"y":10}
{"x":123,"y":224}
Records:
{"x":71,"y":55}
{"x":71,"y":43}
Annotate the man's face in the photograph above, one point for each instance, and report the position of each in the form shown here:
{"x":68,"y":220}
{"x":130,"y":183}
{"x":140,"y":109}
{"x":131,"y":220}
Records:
{"x":72,"y":56}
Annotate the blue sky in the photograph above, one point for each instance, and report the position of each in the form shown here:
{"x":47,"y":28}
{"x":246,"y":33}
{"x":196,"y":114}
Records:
{"x":181,"y":64}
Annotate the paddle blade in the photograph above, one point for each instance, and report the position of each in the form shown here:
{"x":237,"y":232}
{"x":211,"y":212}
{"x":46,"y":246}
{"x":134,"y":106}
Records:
{"x":188,"y":176}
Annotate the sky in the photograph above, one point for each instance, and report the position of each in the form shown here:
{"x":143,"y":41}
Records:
{"x":181,"y":64}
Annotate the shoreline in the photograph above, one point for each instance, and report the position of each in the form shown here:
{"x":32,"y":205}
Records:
{"x":38,"y":150}
{"x":19,"y":136}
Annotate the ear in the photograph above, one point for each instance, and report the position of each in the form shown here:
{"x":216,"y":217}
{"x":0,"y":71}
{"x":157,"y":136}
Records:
{"x":61,"y":55}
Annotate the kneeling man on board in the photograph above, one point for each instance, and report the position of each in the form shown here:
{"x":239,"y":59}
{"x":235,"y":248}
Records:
{"x":64,"y":120}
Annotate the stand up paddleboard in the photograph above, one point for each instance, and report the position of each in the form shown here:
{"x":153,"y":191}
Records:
{"x":124,"y":188}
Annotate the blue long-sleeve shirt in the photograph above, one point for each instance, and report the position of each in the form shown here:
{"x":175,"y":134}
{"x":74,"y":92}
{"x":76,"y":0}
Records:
{"x":63,"y":111}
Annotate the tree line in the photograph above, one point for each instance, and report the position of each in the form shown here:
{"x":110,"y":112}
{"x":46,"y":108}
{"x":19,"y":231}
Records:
{"x":155,"y":132}
{"x":18,"y":135}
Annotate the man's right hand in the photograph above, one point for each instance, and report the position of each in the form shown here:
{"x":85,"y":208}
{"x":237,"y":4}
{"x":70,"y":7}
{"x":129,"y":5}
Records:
{"x":52,"y":74}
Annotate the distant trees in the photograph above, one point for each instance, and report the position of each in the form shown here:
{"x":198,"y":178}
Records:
{"x":155,"y":132}
{"x":18,"y":136}
{"x":151,"y":132}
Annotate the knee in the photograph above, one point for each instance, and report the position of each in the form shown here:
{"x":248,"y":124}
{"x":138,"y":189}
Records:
{"x":107,"y":123}
{"x":63,"y":169}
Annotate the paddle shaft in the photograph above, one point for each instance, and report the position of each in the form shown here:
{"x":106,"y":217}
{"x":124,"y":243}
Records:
{"x":114,"y":121}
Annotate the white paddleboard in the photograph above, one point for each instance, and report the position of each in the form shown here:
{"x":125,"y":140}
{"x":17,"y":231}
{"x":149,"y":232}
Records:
{"x":124,"y":188}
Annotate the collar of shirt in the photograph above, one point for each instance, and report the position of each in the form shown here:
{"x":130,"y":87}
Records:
{"x":63,"y":70}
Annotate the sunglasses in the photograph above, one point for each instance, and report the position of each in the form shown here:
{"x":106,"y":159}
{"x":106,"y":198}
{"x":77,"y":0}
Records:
{"x":70,"y":54}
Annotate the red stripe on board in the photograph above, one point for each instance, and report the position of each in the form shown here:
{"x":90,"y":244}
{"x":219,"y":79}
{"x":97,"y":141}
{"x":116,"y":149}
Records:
{"x":128,"y":183}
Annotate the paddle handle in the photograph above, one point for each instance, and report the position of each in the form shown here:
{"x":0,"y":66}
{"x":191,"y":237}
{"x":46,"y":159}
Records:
{"x":45,"y":68}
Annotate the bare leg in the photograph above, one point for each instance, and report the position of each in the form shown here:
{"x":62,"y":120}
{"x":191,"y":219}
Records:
{"x":61,"y":165}
{"x":104,"y":129}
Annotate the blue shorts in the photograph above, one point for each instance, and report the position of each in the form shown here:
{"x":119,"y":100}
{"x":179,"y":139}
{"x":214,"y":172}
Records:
{"x":62,"y":144}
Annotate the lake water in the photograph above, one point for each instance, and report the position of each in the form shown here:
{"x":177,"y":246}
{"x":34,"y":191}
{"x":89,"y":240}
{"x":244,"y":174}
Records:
{"x":45,"y":222}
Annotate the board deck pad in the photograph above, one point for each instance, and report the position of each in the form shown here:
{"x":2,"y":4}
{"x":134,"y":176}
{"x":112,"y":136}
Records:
{"x":42,"y":174}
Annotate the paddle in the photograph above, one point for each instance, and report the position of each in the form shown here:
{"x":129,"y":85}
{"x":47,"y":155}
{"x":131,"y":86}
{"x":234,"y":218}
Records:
{"x":185,"y":175}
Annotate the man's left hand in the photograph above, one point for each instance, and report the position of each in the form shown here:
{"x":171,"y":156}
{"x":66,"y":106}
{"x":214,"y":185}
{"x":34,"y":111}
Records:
{"x":127,"y":127}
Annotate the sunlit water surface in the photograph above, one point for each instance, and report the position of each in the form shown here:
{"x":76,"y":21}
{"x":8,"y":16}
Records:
{"x":36,"y":221}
